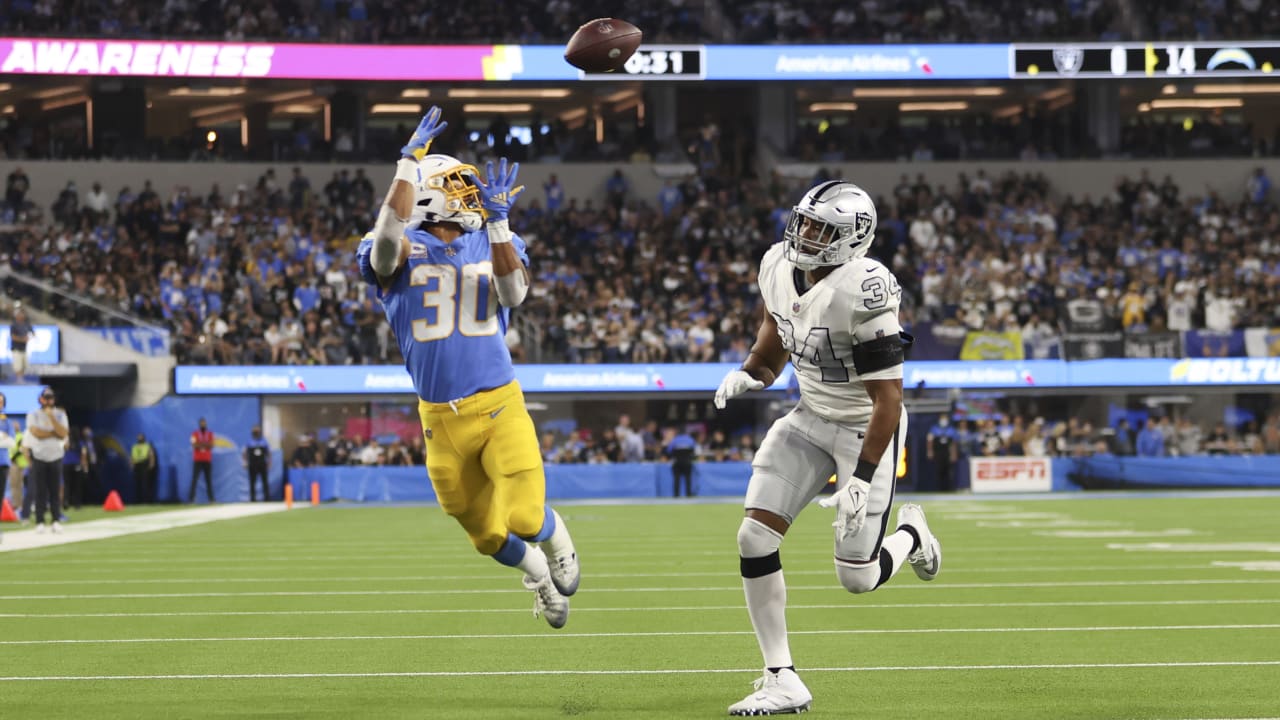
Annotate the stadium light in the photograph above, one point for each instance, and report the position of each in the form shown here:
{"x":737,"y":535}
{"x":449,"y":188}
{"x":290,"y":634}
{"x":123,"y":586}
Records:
{"x":833,"y":107}
{"x":395,"y":109}
{"x":1192,"y":103}
{"x":915,"y":92}
{"x":415,"y":93}
{"x":497,"y":107}
{"x":932,"y":106}
{"x":1236,"y":88}
{"x":487,"y":94}
{"x":207,"y":92}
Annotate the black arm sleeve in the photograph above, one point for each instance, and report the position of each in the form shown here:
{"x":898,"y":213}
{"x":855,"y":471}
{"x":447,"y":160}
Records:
{"x":881,"y":353}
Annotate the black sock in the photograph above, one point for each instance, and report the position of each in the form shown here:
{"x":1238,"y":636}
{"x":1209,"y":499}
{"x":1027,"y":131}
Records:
{"x":915,"y":536}
{"x":777,"y":670}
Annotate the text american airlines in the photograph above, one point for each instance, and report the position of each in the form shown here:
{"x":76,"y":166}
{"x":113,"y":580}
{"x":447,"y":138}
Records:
{"x":91,"y":57}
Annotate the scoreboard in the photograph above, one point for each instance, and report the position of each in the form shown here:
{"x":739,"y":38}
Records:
{"x":1151,"y":59}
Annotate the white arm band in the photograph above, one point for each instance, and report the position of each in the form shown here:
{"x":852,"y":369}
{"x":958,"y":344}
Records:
{"x":511,"y":288}
{"x":387,"y":234}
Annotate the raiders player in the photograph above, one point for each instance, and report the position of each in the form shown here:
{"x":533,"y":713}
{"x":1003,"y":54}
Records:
{"x":834,"y":313}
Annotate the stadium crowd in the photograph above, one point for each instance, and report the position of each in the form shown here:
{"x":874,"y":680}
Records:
{"x":263,"y":273}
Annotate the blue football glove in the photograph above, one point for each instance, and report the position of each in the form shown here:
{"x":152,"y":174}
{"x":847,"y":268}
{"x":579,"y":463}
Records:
{"x":429,"y":129}
{"x":499,"y":193}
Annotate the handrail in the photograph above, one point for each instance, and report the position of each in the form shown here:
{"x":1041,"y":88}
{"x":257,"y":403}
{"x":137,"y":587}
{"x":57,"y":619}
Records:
{"x":8,"y":273}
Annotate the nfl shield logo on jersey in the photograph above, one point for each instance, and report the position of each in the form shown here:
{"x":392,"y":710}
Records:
{"x":795,"y":307}
{"x":1068,"y":60}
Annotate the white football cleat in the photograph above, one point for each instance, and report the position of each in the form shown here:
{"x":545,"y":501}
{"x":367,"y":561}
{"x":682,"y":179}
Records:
{"x":562,"y":558}
{"x":57,"y":527}
{"x":776,"y":694}
{"x":40,"y":528}
{"x":926,"y":561}
{"x":547,"y":601}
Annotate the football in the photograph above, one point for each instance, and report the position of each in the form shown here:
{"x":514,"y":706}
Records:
{"x":602,"y":45}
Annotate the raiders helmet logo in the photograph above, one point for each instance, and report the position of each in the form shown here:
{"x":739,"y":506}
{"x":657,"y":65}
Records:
{"x":862,"y":224}
{"x":1068,"y":60}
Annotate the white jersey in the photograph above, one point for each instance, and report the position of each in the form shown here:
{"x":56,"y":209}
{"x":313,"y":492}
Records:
{"x":855,"y":303}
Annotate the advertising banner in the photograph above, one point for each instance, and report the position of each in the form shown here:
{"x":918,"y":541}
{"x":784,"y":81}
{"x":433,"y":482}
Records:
{"x":1010,"y":474}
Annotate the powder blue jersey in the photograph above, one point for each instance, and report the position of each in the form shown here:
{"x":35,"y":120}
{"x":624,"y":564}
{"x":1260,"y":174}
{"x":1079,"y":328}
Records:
{"x":445,"y":314}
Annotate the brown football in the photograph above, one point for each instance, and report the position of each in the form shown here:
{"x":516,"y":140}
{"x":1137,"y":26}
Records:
{"x":602,"y":45}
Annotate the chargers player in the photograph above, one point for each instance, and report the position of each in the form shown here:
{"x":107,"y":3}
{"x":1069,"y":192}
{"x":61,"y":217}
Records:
{"x":834,"y":313}
{"x":448,"y":268}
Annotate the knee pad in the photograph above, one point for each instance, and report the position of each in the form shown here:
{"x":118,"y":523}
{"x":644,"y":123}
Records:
{"x":758,"y":549}
{"x":526,"y":521}
{"x":858,"y":578}
{"x":489,"y":543}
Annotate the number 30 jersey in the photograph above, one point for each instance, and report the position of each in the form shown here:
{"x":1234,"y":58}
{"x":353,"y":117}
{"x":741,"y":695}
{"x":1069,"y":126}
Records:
{"x":445,"y":314}
{"x":821,"y":327}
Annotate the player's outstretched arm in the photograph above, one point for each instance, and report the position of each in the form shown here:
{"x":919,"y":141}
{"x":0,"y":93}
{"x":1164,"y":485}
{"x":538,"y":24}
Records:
{"x":764,"y":363}
{"x":390,"y":246}
{"x":498,"y":192}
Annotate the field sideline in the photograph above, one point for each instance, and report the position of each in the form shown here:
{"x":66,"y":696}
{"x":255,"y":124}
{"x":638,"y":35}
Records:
{"x":1087,"y":606}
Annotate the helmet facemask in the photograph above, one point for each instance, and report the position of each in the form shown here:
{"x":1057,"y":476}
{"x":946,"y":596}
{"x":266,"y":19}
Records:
{"x":448,"y":193}
{"x":832,"y":224}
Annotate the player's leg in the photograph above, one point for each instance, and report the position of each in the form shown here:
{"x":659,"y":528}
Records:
{"x":513,"y":460}
{"x":867,"y":560}
{"x":786,"y":475}
{"x":465,"y":493}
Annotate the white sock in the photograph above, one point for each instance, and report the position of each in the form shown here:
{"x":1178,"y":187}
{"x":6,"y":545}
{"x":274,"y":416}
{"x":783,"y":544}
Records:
{"x":898,"y":545}
{"x":559,"y":544}
{"x":534,"y":563}
{"x":767,"y":605}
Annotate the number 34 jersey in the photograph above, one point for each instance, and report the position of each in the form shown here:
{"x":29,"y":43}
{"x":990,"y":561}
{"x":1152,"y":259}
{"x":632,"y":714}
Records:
{"x":856,"y":303}
{"x":445,"y":314}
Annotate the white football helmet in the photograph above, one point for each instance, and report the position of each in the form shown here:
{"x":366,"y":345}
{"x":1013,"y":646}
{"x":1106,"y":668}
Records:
{"x":841,"y":225}
{"x":446,"y":192}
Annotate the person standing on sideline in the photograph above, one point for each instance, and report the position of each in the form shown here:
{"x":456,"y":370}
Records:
{"x":45,"y":439}
{"x":19,"y":336}
{"x":940,"y":448}
{"x":143,"y":457}
{"x":257,"y":457}
{"x":201,"y":460}
{"x":19,"y":461}
{"x":72,"y":472}
{"x":682,"y":450}
{"x":8,"y":438}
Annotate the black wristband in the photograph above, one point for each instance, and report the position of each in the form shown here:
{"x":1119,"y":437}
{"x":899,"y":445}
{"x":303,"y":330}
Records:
{"x":865,"y":470}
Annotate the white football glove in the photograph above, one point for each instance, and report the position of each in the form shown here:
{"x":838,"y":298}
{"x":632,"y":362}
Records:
{"x":733,"y":385}
{"x":850,"y":503}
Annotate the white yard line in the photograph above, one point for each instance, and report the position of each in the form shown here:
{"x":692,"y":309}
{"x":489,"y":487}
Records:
{"x":675,"y":589}
{"x":494,"y":578}
{"x":132,"y":525}
{"x":636,"y":671}
{"x":664,"y":633}
{"x":659,"y":608}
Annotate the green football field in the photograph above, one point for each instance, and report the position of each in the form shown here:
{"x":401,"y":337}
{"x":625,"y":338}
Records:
{"x":1087,"y":607}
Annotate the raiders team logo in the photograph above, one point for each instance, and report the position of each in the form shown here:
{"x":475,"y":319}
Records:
{"x":1068,"y":60}
{"x":862,"y":223}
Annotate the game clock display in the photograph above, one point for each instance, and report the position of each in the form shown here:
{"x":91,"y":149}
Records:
{"x":660,"y":62}
{"x":1152,"y":59}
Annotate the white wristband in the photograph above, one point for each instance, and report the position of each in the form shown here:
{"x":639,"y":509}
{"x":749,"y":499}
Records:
{"x":499,"y":232}
{"x":407,"y":171}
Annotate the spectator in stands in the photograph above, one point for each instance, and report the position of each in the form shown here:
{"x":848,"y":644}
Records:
{"x":201,"y":460}
{"x":1220,"y":442}
{"x":1151,"y":442}
{"x":19,"y":335}
{"x":15,"y":192}
{"x":632,"y":441}
{"x":306,"y":454}
{"x":1123,"y":442}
